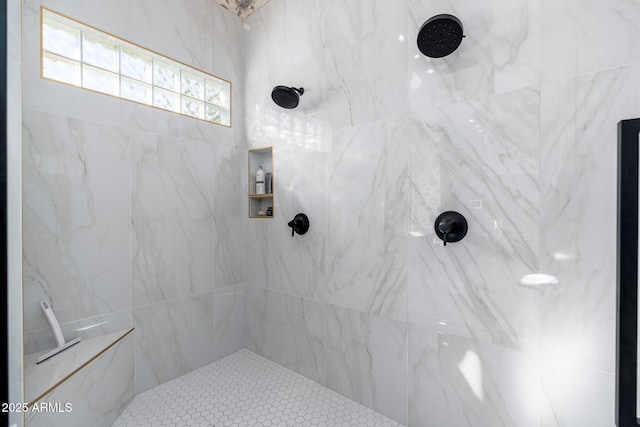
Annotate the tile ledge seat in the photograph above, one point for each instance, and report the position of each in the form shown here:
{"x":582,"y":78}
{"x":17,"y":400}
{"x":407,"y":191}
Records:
{"x":41,"y":379}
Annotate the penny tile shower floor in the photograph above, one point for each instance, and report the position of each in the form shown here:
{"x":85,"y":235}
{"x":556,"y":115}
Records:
{"x":245,"y":389}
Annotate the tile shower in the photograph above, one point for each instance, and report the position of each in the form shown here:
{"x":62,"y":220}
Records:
{"x":135,"y":217}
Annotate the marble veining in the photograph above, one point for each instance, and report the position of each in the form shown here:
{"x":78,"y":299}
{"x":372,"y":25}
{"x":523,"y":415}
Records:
{"x":296,"y":265}
{"x":76,"y":209}
{"x":173,"y":337}
{"x":172,"y":218}
{"x":578,"y":165}
{"x":78,"y":391}
{"x":454,"y":381}
{"x":367,"y":221}
{"x":581,"y":37}
{"x":228,"y":217}
{"x":489,"y":173}
{"x":114,"y":377}
{"x":40,"y":378}
{"x":228,"y":319}
{"x":498,"y":54}
{"x":296,"y":334}
{"x":256,"y":321}
{"x":366,"y":360}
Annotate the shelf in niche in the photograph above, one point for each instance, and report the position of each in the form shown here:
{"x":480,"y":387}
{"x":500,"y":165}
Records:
{"x":41,"y":379}
{"x":259,"y":202}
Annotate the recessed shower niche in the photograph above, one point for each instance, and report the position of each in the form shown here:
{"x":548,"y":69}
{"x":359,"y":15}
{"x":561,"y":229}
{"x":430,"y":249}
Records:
{"x":261,"y":190}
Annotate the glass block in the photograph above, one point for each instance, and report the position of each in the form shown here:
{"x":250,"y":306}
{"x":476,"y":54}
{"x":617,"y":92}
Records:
{"x":166,"y":100}
{"x":217,"y":93}
{"x":192,"y":85}
{"x":100,"y":51}
{"x":61,"y":69}
{"x":136,"y":91}
{"x":100,"y":80}
{"x":60,"y":38}
{"x":135,"y":65}
{"x":166,"y":76}
{"x":192,"y":107}
{"x":217,"y":115}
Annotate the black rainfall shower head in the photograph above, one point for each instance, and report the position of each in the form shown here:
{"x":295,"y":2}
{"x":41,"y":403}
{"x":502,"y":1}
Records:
{"x":286,"y":97}
{"x":440,"y":36}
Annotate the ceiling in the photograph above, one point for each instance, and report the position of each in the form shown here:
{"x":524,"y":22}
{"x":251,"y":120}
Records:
{"x":242,"y":8}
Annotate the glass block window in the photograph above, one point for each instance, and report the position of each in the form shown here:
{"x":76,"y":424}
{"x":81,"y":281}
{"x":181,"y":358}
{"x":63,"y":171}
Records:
{"x":79,"y":55}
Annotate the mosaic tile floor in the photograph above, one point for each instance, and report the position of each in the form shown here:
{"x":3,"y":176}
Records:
{"x":245,"y":389}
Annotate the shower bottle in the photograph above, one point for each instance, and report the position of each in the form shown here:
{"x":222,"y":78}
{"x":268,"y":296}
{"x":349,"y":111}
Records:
{"x":260,"y":181}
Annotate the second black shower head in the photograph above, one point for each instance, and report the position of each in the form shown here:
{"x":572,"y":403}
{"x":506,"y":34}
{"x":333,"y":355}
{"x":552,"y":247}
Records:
{"x":286,"y":97}
{"x":440,"y":36}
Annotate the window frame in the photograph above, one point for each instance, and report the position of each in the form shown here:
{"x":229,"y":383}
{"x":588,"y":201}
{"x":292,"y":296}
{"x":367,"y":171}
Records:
{"x":124,"y":44}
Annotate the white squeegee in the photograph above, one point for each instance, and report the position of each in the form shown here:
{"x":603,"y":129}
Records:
{"x":57,"y":333}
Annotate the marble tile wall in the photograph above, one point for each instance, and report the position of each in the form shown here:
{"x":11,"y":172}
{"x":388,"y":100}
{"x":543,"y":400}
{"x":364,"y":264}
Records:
{"x":517,"y":131}
{"x":131,"y":214}
{"x":97,"y":394}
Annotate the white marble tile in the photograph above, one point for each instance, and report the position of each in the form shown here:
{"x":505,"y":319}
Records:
{"x":177,"y":30}
{"x":572,"y":395}
{"x":581,"y":36}
{"x":114,"y":381}
{"x":270,"y":125}
{"x":296,"y":334}
{"x":228,"y":57}
{"x":44,"y":376}
{"x":172,"y":338}
{"x":365,"y":249}
{"x":256,"y":306}
{"x":500,"y":51}
{"x":295,"y":262}
{"x":256,"y":249}
{"x":457,"y":382}
{"x":39,"y":340}
{"x":367,"y":360}
{"x":578,"y":184}
{"x":489,"y":173}
{"x":172,"y":218}
{"x":169,"y":124}
{"x":228,"y":320}
{"x":229,"y":216}
{"x":365,"y":60}
{"x":76,"y":391}
{"x":75,"y":218}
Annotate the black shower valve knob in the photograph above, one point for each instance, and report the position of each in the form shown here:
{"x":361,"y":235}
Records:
{"x":299,"y":224}
{"x":450,"y":227}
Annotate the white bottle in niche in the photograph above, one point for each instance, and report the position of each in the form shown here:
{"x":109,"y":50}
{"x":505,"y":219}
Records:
{"x":260,"y":180}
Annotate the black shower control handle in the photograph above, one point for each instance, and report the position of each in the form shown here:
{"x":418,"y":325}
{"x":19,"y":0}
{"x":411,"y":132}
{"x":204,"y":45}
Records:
{"x":299,"y":224}
{"x":451,"y":227}
{"x":446,"y":226}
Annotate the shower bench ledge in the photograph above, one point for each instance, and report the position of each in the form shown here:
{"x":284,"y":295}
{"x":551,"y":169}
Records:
{"x":41,"y":379}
